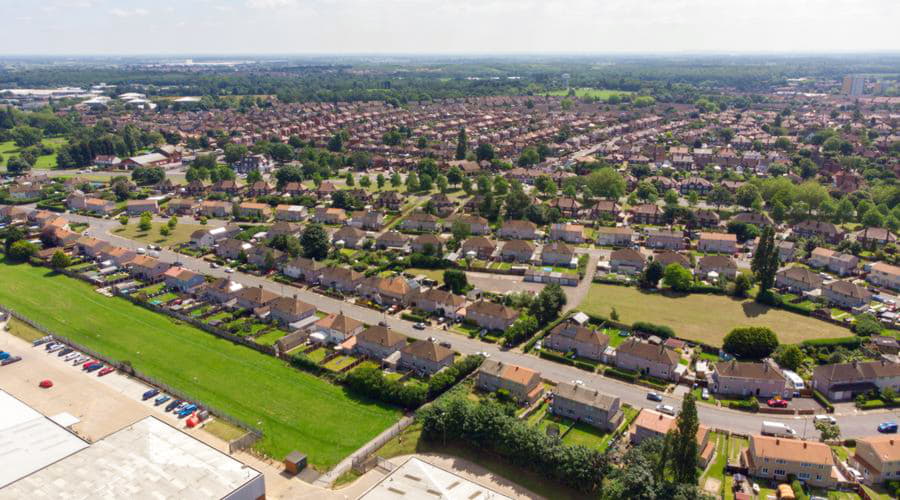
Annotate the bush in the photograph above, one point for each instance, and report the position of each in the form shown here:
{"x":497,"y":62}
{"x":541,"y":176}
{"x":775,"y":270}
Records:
{"x":652,"y":329}
{"x":848,"y":342}
{"x":818,"y":396}
{"x":371,"y":382}
{"x":753,"y":342}
{"x":413,"y":317}
{"x":618,"y":373}
{"x":751,"y":404}
{"x":303,"y":362}
{"x":799,"y":494}
{"x":448,"y":377}
{"x":709,"y":289}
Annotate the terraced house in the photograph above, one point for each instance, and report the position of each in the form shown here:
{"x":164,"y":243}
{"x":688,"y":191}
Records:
{"x":523,"y":384}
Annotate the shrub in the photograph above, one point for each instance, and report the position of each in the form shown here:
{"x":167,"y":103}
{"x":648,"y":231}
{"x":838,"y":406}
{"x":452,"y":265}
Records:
{"x":448,"y":377}
{"x":413,"y":317}
{"x":818,"y":396}
{"x":652,"y":329}
{"x":747,"y":405}
{"x":303,"y":362}
{"x":752,"y":342}
{"x":618,"y":373}
{"x":848,"y":342}
{"x":799,"y":494}
{"x":370,"y":381}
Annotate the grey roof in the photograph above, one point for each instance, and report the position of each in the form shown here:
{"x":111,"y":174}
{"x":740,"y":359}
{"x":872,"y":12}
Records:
{"x":585,"y":396}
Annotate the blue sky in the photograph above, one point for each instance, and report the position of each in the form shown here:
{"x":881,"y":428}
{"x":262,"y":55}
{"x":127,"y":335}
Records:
{"x":446,"y":26}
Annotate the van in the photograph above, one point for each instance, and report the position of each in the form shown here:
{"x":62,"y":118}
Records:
{"x":777,"y":429}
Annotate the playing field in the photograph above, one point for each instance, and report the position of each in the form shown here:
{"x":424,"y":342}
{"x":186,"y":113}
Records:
{"x":702,"y":317}
{"x":181,"y":233}
{"x":603,"y":94}
{"x":295,"y":410}
{"x":9,"y":148}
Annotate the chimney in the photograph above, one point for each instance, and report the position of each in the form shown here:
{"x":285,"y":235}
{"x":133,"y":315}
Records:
{"x":804,"y":445}
{"x":777,"y":441}
{"x":295,"y":296}
{"x":260,"y":285}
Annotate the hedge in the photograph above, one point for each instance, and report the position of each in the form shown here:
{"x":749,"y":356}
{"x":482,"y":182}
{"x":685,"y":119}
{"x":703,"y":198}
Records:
{"x":706,"y":289}
{"x":552,"y":356}
{"x":652,"y":329}
{"x":545,"y":330}
{"x":848,"y":342}
{"x":795,"y":308}
{"x":818,"y":396}
{"x":626,"y":375}
{"x":749,"y":405}
{"x":654,"y":382}
{"x":413,"y":317}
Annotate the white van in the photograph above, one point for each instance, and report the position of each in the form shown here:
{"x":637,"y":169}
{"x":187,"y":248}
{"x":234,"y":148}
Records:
{"x":777,"y":429}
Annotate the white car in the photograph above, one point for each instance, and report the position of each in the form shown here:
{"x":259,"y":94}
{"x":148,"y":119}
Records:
{"x":705,"y":393}
{"x":141,"y":251}
{"x":229,"y":270}
{"x":667,"y":409}
{"x":825,"y":418}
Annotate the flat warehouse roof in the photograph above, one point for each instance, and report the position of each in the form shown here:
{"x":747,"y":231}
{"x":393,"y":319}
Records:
{"x":419,"y":479}
{"x":149,"y":459}
{"x":29,"y":441}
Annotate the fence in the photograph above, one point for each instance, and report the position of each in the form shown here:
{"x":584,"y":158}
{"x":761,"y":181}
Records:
{"x":248,"y":439}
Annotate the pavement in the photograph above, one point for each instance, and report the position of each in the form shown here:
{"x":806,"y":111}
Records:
{"x":853,"y":424}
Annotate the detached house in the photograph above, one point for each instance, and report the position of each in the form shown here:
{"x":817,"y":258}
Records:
{"x":649,"y":359}
{"x":579,"y":403}
{"x":569,"y":336}
{"x":748,"y":379}
{"x":523,"y":384}
{"x":425,"y":357}
{"x":491,"y":316}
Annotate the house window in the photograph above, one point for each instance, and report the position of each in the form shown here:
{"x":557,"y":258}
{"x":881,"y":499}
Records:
{"x":804,"y":464}
{"x":780,"y":461}
{"x":779,"y":472}
{"x":803,"y":475}
{"x":818,"y":477}
{"x":765,"y":471}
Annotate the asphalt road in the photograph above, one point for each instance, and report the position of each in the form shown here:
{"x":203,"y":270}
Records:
{"x":852,"y":423}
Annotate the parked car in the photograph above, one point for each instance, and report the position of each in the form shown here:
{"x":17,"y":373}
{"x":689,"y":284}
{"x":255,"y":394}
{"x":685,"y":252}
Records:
{"x":445,"y":344}
{"x":884,"y":427}
{"x":90,"y":365}
{"x":46,"y":383}
{"x":149,"y":394}
{"x":10,"y":360}
{"x":382,"y":323}
{"x":229,"y":270}
{"x":825,"y":418}
{"x":187,"y":410}
{"x":106,"y":371}
{"x":71,"y":356}
{"x":777,"y":403}
{"x":94,"y":367}
{"x":141,"y":251}
{"x":160,"y":400}
{"x":42,"y":340}
{"x":667,"y":409}
{"x":419,"y":326}
{"x":65,"y":352}
{"x":174,"y":404}
{"x":652,"y":396}
{"x":4,"y":355}
{"x":777,"y":429}
{"x":57,"y":347}
{"x":704,"y":393}
{"x":88,"y":361}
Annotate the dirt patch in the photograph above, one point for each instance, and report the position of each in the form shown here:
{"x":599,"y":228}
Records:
{"x":712,"y":485}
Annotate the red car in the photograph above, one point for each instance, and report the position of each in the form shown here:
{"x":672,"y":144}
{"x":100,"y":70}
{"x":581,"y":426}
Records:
{"x":46,"y":384}
{"x":106,"y":371}
{"x":89,"y":362}
{"x":777,"y":403}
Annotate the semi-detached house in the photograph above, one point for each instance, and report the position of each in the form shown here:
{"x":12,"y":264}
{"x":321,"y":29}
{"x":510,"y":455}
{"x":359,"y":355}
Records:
{"x":655,"y":360}
{"x":773,"y":458}
{"x":523,"y":384}
{"x":577,"y":402}
{"x":740,"y":378}
{"x":877,"y":458}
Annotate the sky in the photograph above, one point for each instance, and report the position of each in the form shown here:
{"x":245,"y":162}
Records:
{"x":123,"y":27}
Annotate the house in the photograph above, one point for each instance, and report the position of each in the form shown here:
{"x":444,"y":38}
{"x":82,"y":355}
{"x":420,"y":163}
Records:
{"x":626,"y":261}
{"x":877,"y":458}
{"x":231,"y":248}
{"x":60,"y":236}
{"x":226,"y":186}
{"x":107,"y":161}
{"x":558,"y":254}
{"x":740,"y":378}
{"x":718,"y":243}
{"x":569,"y":336}
{"x":523,"y":384}
{"x":816,"y":229}
{"x":425,"y":357}
{"x":442,"y":204}
{"x":195,"y":188}
{"x":787,"y":250}
{"x":437,"y":301}
{"x":258,"y":188}
{"x":428,"y":244}
{"x":582,"y":404}
{"x":183,"y":280}
{"x":206,"y":238}
{"x":11,"y":214}
{"x":330,"y":215}
{"x":568,"y":207}
{"x":649,"y":359}
{"x":518,"y":230}
{"x":477,"y":225}
{"x":182,"y":206}
{"x":326,"y":188}
{"x":391,"y":239}
{"x":491,"y":316}
{"x":846,"y":294}
{"x":372,"y":220}
{"x":661,"y":238}
{"x":605,"y":210}
{"x":653,"y":424}
{"x":648,"y":213}
{"x":24,"y":191}
{"x":221,"y":290}
{"x":307,"y":270}
{"x":147,"y":268}
{"x":723,"y":265}
{"x":755,"y":218}
{"x":254,"y":210}
{"x":883,"y":344}
{"x":337,"y":328}
{"x":290,"y":213}
{"x":138,"y":207}
{"x":288,"y":310}
{"x":844,"y":381}
{"x":393,"y":290}
{"x":570,"y":233}
{"x":119,"y":256}
{"x":90,"y":247}
{"x":478,"y":247}
{"x":695,"y":184}
{"x":265,"y":258}
{"x":883,"y":274}
{"x":872,"y":237}
{"x":283,"y":228}
{"x":98,"y":206}
{"x":517,"y":251}
{"x":215,"y":208}
{"x":706,"y":218}
{"x":615,"y":236}
{"x":340,"y":278}
{"x":836,"y":262}
{"x":255,"y":162}
{"x":774,"y":458}
{"x":349,"y":237}
{"x":421,"y":221}
{"x":254,"y":297}
{"x":378,"y":342}
{"x":668,"y":257}
{"x":390,"y":200}
{"x":798,"y":279}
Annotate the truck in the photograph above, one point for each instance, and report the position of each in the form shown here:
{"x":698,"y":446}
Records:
{"x":777,"y":429}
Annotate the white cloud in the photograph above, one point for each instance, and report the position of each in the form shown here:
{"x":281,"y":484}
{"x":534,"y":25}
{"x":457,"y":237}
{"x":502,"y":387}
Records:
{"x":270,"y":4}
{"x":138,"y":12}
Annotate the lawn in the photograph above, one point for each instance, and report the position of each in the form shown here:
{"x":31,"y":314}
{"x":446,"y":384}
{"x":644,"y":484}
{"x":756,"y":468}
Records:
{"x":704,"y":317}
{"x":269,"y":338}
{"x":435,"y":274}
{"x":592,"y":93}
{"x":223,"y":430}
{"x":716,"y":469}
{"x":9,"y":148}
{"x":295,"y":410}
{"x":23,"y":330}
{"x":338,"y":363}
{"x":181,"y":234}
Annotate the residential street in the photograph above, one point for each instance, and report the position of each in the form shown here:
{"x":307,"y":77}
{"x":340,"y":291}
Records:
{"x":851,"y":423}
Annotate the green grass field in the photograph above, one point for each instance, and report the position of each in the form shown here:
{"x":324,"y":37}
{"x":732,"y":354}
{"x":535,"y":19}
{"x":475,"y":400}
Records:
{"x":181,"y":234}
{"x":702,"y":317}
{"x":9,"y":148}
{"x":295,"y":410}
{"x":603,"y":94}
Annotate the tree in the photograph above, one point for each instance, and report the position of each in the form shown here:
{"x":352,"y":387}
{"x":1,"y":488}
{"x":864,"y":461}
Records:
{"x":60,"y":260}
{"x":546,"y":185}
{"x":146,"y":222}
{"x":172,"y":222}
{"x":314,"y":241}
{"x":671,"y":197}
{"x":742,"y":285}
{"x":765,"y":263}
{"x":336,"y":143}
{"x":17,"y":165}
{"x":684,"y":453}
{"x":12,"y":235}
{"x":829,"y":431}
{"x":746,"y":195}
{"x":456,"y":280}
{"x":123,"y":220}
{"x":146,"y":176}
{"x":426,"y":182}
{"x":467,"y":185}
{"x":606,"y":183}
{"x":234,"y":153}
{"x":165,"y":231}
{"x":678,"y":278}
{"x":462,"y":144}
{"x":22,"y":250}
{"x":651,"y":275}
{"x":719,"y":196}
{"x":528,"y":157}
{"x":517,"y":202}
{"x":484,"y":152}
{"x":873,"y":218}
{"x":25,"y":136}
{"x":867,"y":325}
{"x":379,"y":181}
{"x":454,"y":175}
{"x":548,"y":304}
{"x":750,"y":342}
{"x":254,"y":176}
{"x":789,"y":356}
{"x":396,"y":180}
{"x":460,"y":230}
{"x":365,"y":181}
